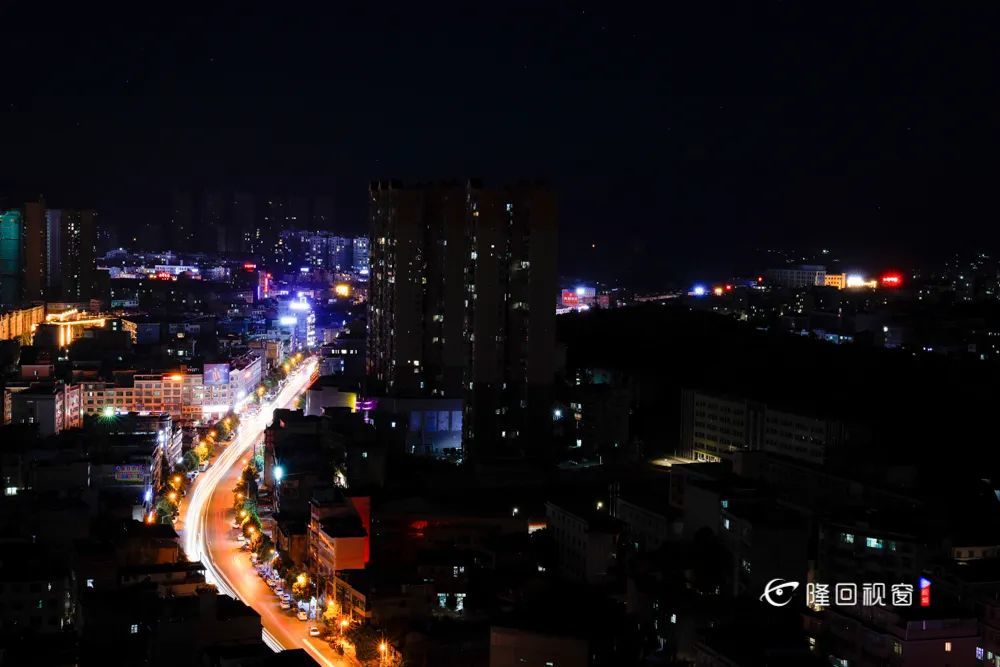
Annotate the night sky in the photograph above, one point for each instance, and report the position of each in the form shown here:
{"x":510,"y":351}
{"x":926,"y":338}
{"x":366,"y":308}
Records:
{"x":676,"y":140}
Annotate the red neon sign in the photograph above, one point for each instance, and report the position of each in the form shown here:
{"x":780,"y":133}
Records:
{"x":891,"y":280}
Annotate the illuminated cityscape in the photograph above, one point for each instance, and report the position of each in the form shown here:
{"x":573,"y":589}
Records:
{"x":493,"y":335}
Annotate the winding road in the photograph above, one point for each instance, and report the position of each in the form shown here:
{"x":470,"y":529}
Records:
{"x":207,"y":535}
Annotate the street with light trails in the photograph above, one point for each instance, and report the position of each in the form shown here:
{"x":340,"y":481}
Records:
{"x":207,"y":535}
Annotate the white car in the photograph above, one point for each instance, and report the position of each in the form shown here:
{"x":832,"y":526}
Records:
{"x":313,"y":631}
{"x":302,"y":616}
{"x":284,"y":605}
{"x":240,"y":538}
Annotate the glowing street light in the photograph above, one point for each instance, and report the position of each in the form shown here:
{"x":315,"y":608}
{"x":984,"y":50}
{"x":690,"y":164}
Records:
{"x":279,"y":472}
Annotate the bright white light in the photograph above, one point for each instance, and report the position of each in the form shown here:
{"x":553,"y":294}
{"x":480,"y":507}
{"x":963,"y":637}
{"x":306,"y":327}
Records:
{"x":279,"y":472}
{"x":149,"y":495}
{"x":299,"y":305}
{"x":557,"y":413}
{"x":108,"y":411}
{"x":699,"y":290}
{"x":304,"y":269}
{"x":288,"y":320}
{"x":580,"y":291}
{"x":854,"y":280}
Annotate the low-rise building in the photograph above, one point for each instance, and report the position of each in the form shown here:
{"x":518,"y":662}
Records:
{"x":586,"y":541}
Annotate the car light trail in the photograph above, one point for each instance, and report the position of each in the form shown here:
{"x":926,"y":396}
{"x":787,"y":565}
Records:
{"x":196,"y":515}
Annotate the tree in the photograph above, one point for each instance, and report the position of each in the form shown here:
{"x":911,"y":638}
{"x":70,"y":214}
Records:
{"x":191,"y":460}
{"x":165,"y":509}
{"x":330,"y":613}
{"x":365,"y":639}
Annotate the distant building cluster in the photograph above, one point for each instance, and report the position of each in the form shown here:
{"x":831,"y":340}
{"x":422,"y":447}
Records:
{"x":46,"y":254}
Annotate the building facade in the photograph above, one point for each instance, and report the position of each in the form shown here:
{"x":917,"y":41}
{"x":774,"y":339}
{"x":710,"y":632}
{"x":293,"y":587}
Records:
{"x":460,"y":304}
{"x":715,"y":427}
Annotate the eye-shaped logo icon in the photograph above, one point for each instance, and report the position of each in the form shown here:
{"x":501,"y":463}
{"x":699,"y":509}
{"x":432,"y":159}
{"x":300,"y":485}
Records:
{"x":778,"y":592}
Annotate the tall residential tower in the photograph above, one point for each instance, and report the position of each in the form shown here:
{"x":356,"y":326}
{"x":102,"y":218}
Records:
{"x":461,"y":297}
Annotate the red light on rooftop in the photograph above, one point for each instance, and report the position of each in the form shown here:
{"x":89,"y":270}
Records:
{"x":250,"y":266}
{"x":729,"y":288}
{"x":760,"y":279}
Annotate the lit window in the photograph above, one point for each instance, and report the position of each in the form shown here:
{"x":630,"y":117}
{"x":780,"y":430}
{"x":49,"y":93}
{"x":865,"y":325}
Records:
{"x":134,"y":629}
{"x":873,"y":543}
{"x":947,"y":647}
{"x":725,"y":504}
{"x":673,"y":618}
{"x":725,"y":523}
{"x":847,"y":538}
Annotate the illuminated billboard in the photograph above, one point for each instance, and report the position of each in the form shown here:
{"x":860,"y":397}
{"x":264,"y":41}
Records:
{"x":129,"y":473}
{"x":216,"y":374}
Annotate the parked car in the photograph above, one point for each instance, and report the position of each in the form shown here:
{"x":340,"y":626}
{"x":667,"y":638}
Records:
{"x":240,"y":538}
{"x":313,"y":631}
{"x":284,"y":605}
{"x":286,"y":597}
{"x":302,"y":616}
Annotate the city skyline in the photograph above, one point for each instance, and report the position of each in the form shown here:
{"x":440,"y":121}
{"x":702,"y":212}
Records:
{"x":494,"y":335}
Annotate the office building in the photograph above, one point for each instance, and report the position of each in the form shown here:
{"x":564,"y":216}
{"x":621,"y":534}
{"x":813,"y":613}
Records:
{"x":460,"y":304}
{"x":715,"y":427}
{"x":806,"y":275}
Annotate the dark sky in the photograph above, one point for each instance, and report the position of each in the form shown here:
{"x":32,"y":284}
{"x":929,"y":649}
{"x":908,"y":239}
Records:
{"x":676,"y":138}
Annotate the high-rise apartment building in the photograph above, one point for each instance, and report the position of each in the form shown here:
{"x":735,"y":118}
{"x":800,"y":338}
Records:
{"x":76,"y":248}
{"x":10,"y":257}
{"x":359,"y":256}
{"x":46,"y":254}
{"x":460,"y":305}
{"x":33,"y":251}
